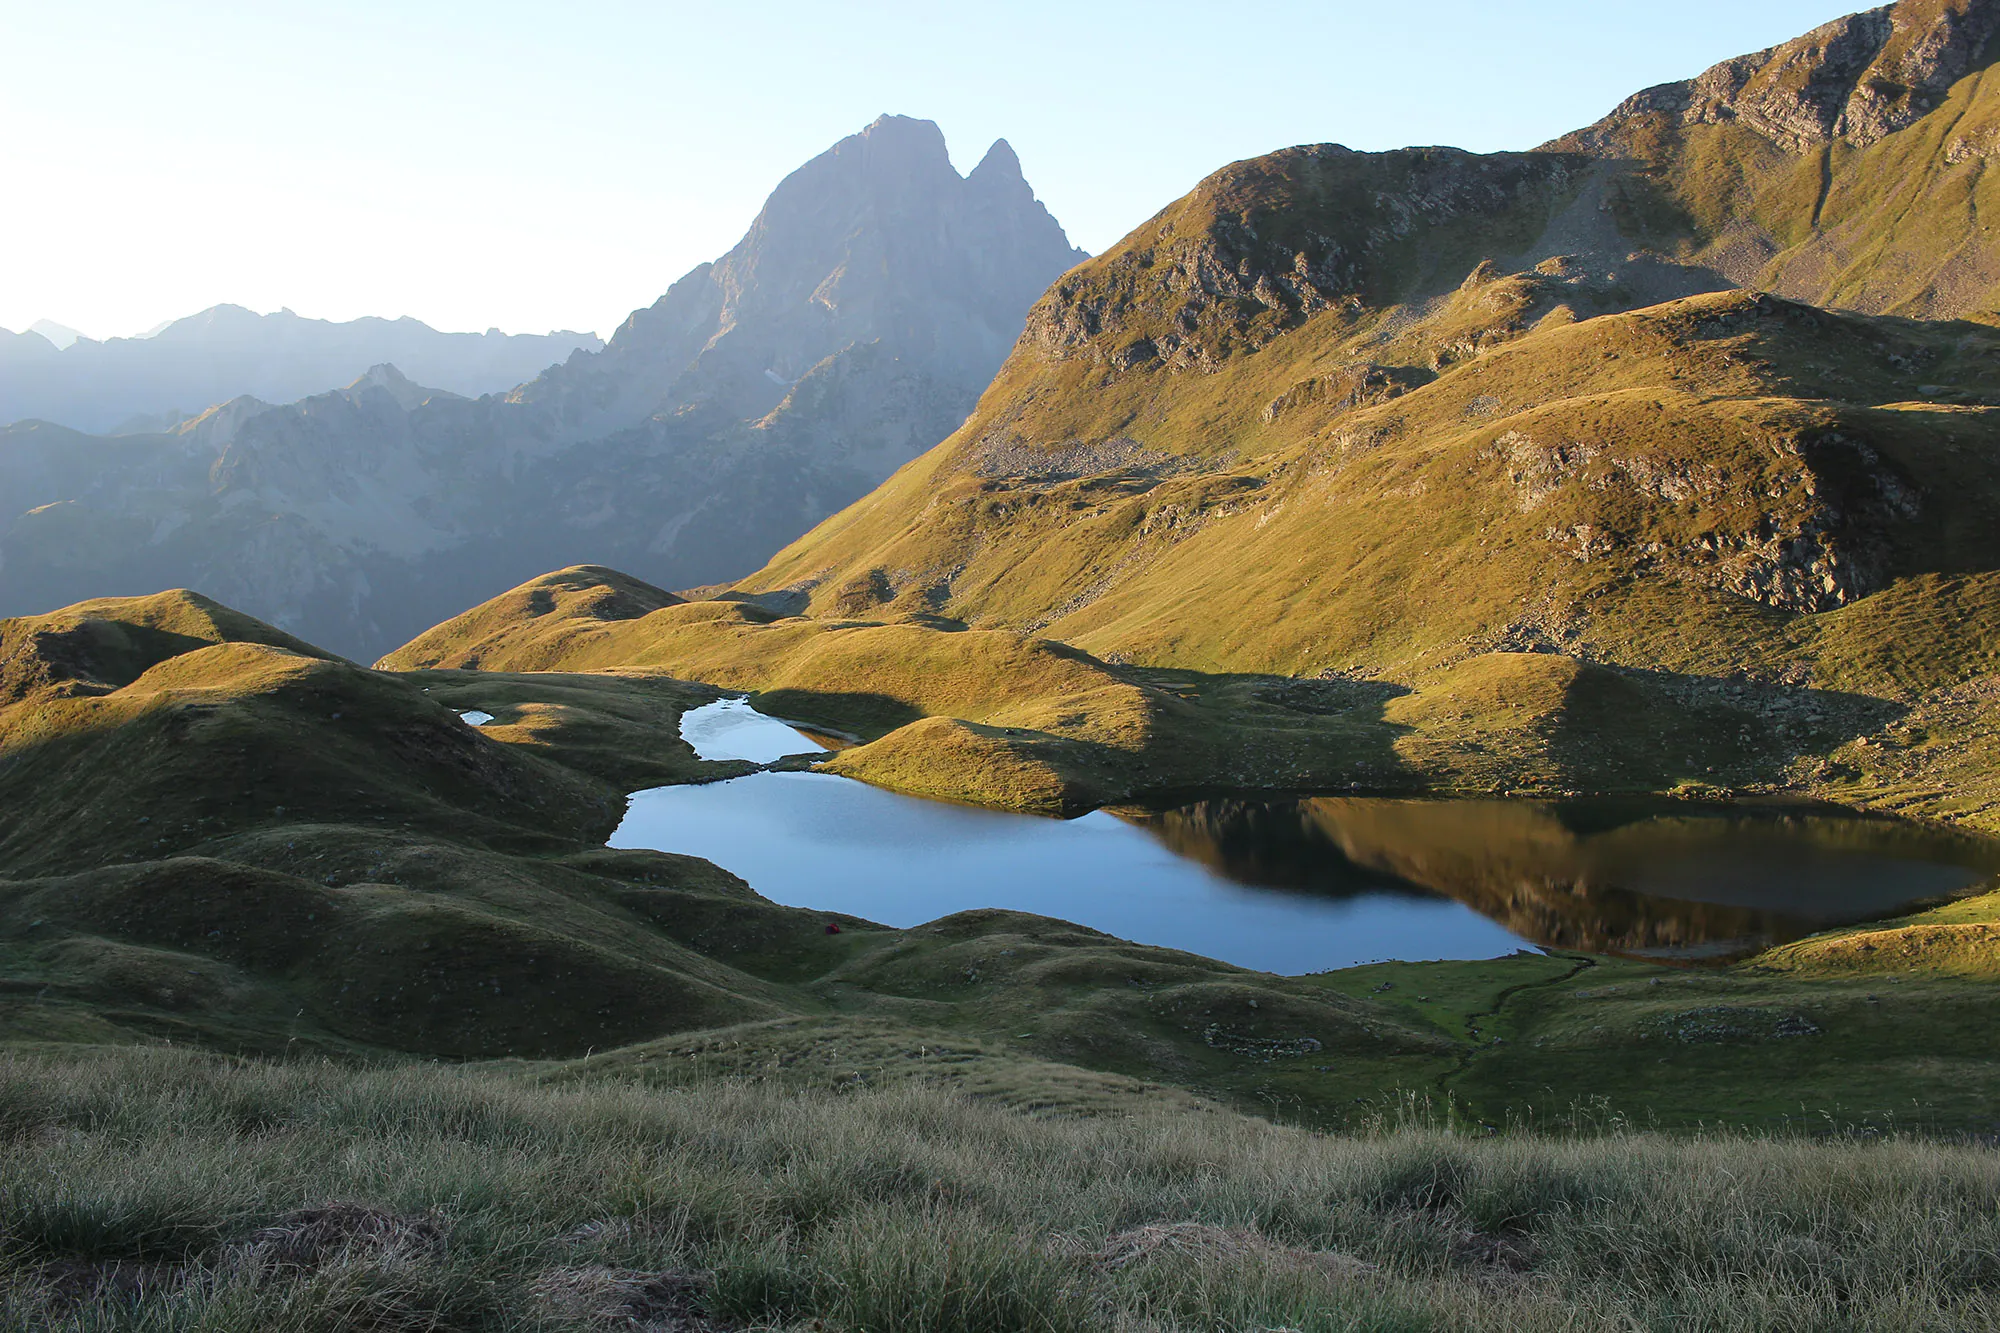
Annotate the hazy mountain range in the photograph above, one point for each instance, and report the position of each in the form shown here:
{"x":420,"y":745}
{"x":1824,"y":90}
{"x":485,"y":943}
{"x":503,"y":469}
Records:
{"x":128,"y":385}
{"x":851,"y":329}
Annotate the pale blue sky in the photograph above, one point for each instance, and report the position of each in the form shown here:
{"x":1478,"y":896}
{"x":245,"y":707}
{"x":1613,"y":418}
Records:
{"x":530,"y":166}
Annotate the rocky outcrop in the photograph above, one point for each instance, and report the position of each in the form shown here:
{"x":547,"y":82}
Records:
{"x":1363,"y":384}
{"x":1805,"y":528}
{"x":1856,"y":80}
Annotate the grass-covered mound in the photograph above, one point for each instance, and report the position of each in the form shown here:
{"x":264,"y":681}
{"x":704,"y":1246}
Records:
{"x":148,"y":1190}
{"x":222,"y":840}
{"x":1002,"y":718}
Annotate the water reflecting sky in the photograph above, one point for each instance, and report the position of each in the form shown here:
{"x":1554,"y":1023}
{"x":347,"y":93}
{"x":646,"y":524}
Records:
{"x":1296,"y":885}
{"x":810,"y":840}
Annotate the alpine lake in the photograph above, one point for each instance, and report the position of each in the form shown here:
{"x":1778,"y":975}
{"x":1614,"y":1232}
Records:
{"x":1300,"y":884}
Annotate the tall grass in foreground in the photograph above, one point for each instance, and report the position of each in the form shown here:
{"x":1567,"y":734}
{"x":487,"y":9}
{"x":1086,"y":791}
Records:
{"x":152,"y":1189}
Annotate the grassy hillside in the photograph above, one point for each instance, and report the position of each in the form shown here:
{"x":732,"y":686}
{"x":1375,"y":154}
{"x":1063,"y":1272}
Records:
{"x":1678,"y":486}
{"x":221,"y":840}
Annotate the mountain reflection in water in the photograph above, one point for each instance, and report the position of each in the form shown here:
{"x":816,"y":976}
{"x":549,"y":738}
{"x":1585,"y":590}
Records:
{"x":1650,"y":878}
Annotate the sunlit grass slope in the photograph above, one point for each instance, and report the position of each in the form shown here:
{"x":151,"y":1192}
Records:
{"x":1002,"y":718}
{"x":1678,"y":487}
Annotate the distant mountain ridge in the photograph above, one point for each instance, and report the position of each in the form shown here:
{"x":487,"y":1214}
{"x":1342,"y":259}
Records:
{"x":852,"y":328}
{"x":227,"y":352}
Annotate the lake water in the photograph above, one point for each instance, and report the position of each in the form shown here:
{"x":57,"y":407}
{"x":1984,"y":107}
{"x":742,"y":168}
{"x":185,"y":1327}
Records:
{"x":1300,"y":884}
{"x":732,"y":729}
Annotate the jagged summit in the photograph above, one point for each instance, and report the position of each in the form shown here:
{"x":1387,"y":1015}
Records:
{"x":1000,"y":162}
{"x":878,"y":237}
{"x":894,"y":133}
{"x":406,"y":392}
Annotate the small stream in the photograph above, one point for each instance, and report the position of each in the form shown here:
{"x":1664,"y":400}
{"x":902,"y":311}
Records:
{"x":1300,"y":884}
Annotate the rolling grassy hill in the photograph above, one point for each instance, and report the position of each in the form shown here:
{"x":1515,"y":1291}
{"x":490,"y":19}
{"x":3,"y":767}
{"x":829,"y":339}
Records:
{"x":225,"y":838}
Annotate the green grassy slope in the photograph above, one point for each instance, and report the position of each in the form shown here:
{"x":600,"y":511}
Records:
{"x":1672,"y":487}
{"x":1001,"y":718}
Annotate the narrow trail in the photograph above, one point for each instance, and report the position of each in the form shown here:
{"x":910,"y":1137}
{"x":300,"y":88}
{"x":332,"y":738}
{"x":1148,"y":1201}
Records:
{"x":1583,"y":963}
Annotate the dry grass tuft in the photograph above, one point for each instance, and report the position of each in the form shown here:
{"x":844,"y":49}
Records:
{"x":341,"y":1232}
{"x":599,"y":1297}
{"x":1201,"y":1242}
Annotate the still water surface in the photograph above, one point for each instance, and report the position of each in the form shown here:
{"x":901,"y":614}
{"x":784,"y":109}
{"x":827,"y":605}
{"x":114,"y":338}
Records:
{"x":1295,"y":885}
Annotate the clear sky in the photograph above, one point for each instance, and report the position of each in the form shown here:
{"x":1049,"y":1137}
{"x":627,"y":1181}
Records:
{"x":546,"y":165}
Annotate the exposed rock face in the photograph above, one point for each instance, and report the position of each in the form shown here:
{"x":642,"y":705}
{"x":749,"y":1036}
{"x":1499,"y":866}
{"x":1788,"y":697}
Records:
{"x":1857,"y":79}
{"x":851,"y":329}
{"x":1810,"y":531}
{"x":1362,"y":384}
{"x":131,"y":385}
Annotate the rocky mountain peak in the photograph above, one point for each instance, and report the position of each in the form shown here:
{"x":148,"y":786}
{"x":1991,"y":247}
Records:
{"x":1857,"y":79}
{"x":877,"y":238}
{"x":384,"y":375}
{"x":401,"y":389}
{"x":899,"y":134}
